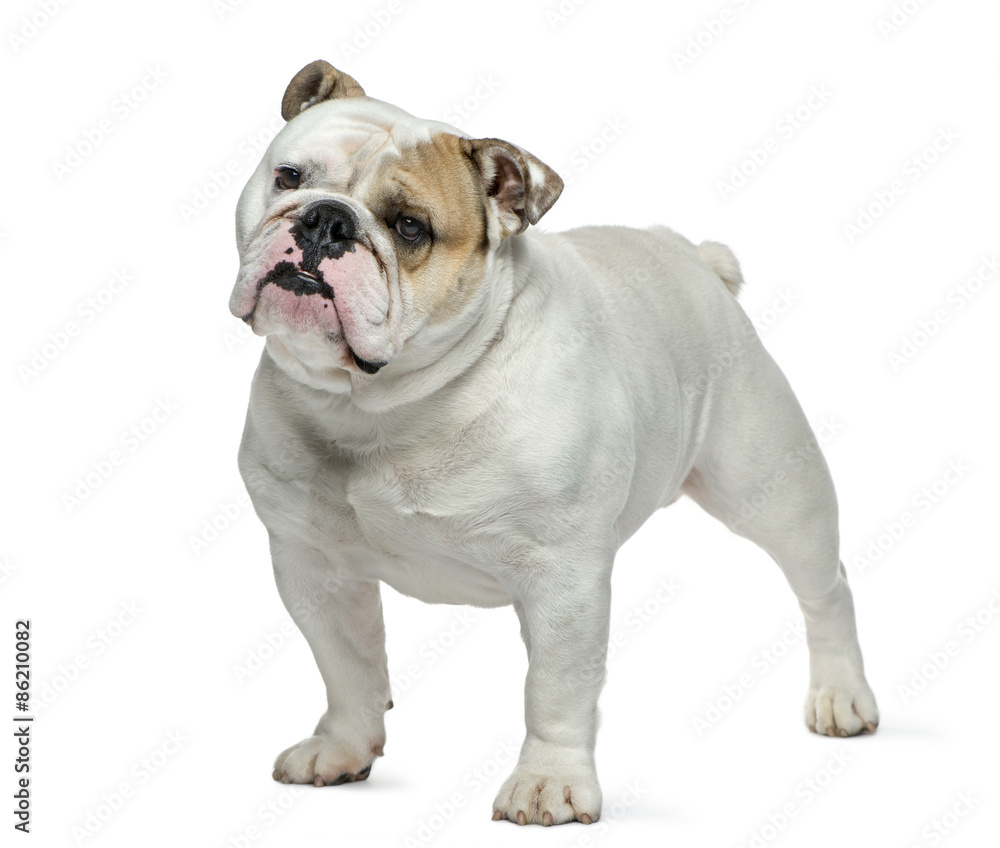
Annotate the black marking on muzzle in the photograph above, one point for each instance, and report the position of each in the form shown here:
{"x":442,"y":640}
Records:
{"x":288,"y":276}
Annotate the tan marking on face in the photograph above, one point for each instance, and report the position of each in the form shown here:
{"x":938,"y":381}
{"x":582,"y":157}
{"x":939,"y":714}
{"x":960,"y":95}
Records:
{"x":437,"y":182}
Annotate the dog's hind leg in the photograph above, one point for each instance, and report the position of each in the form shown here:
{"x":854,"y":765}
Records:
{"x":762,"y":474}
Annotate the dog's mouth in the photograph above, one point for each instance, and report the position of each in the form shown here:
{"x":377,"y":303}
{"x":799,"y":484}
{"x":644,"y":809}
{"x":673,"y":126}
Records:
{"x":287,"y":276}
{"x":364,"y":365}
{"x":328,"y":299}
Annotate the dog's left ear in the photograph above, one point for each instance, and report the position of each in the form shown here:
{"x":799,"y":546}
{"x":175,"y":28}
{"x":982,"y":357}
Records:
{"x":518,"y":185}
{"x":316,"y":82}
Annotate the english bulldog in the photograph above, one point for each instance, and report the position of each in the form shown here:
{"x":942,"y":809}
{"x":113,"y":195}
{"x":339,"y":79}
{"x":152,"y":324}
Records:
{"x":477,"y":412}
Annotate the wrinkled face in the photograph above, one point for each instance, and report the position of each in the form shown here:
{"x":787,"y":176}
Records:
{"x":368,"y":238}
{"x":361,"y":225}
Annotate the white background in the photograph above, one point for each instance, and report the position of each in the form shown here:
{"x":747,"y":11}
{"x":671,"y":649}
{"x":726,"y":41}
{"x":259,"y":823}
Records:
{"x":176,"y":102}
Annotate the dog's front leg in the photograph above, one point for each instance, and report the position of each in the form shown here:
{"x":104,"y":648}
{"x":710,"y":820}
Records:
{"x":564,"y":617}
{"x":341,"y":618}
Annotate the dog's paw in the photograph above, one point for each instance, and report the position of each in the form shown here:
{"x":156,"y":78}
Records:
{"x":322,"y":760}
{"x":547,"y":796}
{"x":840,"y":701}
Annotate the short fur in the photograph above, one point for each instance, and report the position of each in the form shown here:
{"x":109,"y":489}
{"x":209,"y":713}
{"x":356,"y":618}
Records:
{"x":535,"y":398}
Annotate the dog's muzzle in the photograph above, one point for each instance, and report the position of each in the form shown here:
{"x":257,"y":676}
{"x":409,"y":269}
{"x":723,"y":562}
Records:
{"x":315,"y":273}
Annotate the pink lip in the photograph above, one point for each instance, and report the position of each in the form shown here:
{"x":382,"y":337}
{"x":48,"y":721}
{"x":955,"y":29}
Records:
{"x":346,"y":298}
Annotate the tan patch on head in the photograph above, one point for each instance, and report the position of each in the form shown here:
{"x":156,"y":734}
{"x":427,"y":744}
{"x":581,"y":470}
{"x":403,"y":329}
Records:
{"x":436,"y":182}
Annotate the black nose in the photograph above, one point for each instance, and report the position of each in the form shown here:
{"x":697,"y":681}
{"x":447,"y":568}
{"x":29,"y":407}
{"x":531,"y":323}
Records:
{"x":326,"y":229}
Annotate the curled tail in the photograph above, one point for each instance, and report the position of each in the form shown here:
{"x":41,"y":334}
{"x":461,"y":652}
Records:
{"x":720,"y":259}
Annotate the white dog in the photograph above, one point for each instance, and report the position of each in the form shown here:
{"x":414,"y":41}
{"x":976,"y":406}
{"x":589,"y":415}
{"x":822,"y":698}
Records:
{"x":479,"y":414}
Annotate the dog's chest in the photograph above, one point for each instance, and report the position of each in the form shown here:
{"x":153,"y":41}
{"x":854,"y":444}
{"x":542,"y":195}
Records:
{"x":414,"y":518}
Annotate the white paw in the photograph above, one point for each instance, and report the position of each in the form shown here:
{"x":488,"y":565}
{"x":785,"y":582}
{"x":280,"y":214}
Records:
{"x":554,"y":795}
{"x":323,"y":760}
{"x":840,"y":701}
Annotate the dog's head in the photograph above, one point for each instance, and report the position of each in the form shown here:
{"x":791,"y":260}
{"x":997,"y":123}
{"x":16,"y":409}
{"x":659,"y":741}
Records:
{"x":364,"y":226}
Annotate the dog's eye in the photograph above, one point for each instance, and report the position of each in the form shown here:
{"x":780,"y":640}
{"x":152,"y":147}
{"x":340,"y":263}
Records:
{"x":286,"y":178}
{"x":409,"y":228}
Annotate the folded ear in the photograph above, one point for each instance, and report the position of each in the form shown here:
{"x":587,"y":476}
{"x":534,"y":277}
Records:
{"x":519,"y":186}
{"x":316,"y":82}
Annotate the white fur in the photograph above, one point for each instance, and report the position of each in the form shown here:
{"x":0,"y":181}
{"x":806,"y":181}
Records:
{"x":504,"y":456}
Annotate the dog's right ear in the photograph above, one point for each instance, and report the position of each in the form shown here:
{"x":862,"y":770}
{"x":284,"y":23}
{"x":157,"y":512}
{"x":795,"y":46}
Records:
{"x":316,"y":82}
